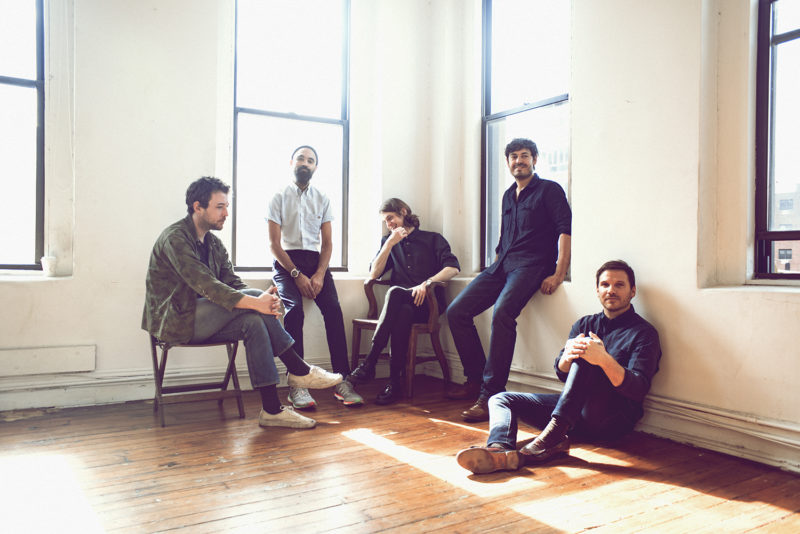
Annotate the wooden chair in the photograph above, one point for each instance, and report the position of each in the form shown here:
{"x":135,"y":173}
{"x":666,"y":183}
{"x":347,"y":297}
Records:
{"x":174,"y":394}
{"x":430,"y":327}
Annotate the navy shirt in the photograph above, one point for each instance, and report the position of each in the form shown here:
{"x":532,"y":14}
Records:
{"x":418,"y":257}
{"x":631,"y":341}
{"x":531,"y":225}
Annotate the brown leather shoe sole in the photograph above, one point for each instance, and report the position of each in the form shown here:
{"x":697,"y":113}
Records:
{"x":481,"y":460}
{"x":530,"y":456}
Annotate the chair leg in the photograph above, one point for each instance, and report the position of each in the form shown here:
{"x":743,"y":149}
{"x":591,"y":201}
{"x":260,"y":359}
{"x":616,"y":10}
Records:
{"x":160,"y":368}
{"x":437,"y":349}
{"x":232,"y":349}
{"x":356,"y":349}
{"x":411,"y":363}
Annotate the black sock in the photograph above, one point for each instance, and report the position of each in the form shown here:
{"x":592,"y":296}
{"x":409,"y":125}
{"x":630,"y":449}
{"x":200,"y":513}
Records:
{"x":269,"y":399}
{"x":294,"y":363}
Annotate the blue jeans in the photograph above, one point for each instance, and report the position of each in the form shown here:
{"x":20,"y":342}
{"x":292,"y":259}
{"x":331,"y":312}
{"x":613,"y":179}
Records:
{"x":264,"y":337}
{"x":397,"y":316}
{"x":327,"y":301}
{"x":509,"y":292}
{"x":589,"y":403}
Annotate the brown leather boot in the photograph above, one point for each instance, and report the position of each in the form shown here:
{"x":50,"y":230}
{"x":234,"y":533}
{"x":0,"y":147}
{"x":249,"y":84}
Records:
{"x":553,"y":441}
{"x":478,"y":411}
{"x":481,"y":460}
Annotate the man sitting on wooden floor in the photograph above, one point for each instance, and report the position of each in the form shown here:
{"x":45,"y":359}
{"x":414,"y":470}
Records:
{"x":607,"y":366}
{"x":193,"y":296}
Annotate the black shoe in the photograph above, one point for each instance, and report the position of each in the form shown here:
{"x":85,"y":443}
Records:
{"x":362,"y":374}
{"x":391,"y":393}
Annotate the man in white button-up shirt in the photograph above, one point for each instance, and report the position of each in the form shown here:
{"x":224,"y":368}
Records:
{"x":300,"y":239}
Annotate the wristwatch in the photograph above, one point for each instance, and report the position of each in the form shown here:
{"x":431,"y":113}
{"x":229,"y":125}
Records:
{"x":295,"y":273}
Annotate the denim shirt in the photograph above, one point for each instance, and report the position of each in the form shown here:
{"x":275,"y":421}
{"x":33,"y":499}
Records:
{"x":631,"y":341}
{"x":531,"y":225}
{"x":176,"y":276}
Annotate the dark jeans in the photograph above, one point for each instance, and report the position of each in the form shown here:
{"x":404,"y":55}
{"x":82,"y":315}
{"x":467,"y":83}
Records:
{"x":509,"y":292}
{"x":397,"y":316}
{"x":327,"y":301}
{"x":589,"y":403}
{"x":264,"y":337}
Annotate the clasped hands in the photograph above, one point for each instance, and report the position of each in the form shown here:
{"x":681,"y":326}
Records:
{"x":589,"y":348}
{"x":310,"y":287}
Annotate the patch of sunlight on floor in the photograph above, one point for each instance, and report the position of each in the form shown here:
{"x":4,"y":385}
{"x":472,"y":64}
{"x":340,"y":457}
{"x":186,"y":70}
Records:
{"x":521,"y":434}
{"x":41,"y":494}
{"x":594,"y":457}
{"x":443,"y":467}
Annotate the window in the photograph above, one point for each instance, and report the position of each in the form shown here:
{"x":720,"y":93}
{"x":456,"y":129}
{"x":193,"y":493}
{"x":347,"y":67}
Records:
{"x":526,"y":66}
{"x":777,"y":159}
{"x":22,"y":132}
{"x":784,"y":254}
{"x":291,"y":90}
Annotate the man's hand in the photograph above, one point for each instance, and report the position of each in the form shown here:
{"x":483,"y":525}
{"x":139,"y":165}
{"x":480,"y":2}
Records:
{"x":304,"y":285}
{"x":419,"y":292}
{"x":573,"y":349}
{"x":397,"y":235}
{"x":317,"y":279}
{"x":594,"y":351}
{"x":550,"y":284}
{"x":268,"y":303}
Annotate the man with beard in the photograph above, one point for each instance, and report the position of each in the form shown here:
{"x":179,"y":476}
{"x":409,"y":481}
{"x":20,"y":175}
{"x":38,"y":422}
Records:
{"x":193,"y":296}
{"x":607,"y":366}
{"x":533,"y":254}
{"x":300,"y":238}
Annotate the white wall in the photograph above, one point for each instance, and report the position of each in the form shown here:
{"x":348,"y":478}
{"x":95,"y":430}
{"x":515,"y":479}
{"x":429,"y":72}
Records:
{"x":661,"y":174}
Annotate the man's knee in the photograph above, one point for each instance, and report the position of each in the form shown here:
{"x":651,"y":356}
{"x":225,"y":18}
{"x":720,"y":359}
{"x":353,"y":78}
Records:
{"x":500,"y":400}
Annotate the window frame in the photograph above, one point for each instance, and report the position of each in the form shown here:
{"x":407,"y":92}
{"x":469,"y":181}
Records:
{"x":38,"y":84}
{"x":765,"y":92}
{"x":343,"y":121}
{"x":488,"y":118}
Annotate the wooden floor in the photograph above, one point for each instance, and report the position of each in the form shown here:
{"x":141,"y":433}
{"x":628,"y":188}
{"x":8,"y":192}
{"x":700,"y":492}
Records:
{"x":368,"y":469}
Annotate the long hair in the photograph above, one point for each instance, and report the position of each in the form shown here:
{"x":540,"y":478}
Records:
{"x":395,"y":205}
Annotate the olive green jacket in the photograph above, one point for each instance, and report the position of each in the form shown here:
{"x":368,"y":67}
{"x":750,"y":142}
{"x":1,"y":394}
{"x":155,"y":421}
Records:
{"x":176,"y":276}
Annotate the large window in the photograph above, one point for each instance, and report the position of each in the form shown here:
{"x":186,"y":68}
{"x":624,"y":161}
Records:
{"x":777,"y":157}
{"x":22,"y":133}
{"x":526,"y":65}
{"x":291,"y":90}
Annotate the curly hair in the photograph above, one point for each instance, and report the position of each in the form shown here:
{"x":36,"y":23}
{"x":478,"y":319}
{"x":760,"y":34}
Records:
{"x":395,"y":205}
{"x":520,"y":143}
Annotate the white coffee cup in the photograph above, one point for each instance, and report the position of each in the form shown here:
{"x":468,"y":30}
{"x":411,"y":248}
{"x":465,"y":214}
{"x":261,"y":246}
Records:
{"x":49,"y":264}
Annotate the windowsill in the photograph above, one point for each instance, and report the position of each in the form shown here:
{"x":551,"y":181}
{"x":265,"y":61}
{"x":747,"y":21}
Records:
{"x":778,"y":284}
{"x":11,"y":275}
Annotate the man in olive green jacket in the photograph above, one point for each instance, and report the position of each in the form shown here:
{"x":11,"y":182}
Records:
{"x":193,"y":296}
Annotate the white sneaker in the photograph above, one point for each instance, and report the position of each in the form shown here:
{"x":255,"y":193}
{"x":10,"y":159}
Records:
{"x":347,"y":394}
{"x":317,"y":378}
{"x":301,"y":398}
{"x":287,"y":417}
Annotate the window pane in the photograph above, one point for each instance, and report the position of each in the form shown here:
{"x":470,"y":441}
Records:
{"x":18,"y":38}
{"x":787,"y":15}
{"x":785,"y":191}
{"x":264,"y":153}
{"x":530,"y":51}
{"x":786,"y":257}
{"x":18,"y":173}
{"x":289,"y":56}
{"x":548,"y":127}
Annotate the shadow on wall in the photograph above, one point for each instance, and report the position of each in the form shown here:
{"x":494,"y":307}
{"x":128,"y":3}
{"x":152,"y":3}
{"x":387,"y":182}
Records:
{"x":682,"y":334}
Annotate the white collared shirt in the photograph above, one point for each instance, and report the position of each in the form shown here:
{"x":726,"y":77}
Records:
{"x":300,"y":215}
